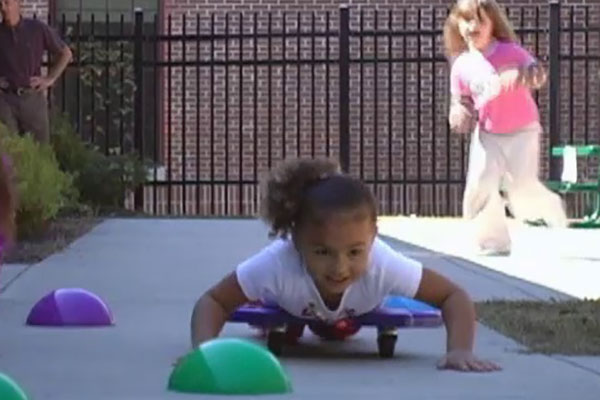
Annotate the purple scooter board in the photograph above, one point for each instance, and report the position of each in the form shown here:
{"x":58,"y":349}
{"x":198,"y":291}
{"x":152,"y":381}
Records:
{"x":395,"y":312}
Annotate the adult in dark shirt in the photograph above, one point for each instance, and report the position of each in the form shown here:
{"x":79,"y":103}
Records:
{"x":23,"y":41}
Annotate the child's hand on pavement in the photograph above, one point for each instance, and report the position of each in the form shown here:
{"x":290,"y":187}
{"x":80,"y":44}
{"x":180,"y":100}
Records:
{"x":463,"y":360}
{"x":178,"y":360}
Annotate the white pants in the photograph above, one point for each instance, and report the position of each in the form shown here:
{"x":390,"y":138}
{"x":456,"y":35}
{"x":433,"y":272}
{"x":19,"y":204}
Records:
{"x":512,"y":160}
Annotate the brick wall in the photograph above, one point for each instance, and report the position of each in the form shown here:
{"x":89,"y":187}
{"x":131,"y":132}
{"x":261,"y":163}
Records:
{"x":38,"y":7}
{"x":418,"y":133}
{"x":417,"y":136}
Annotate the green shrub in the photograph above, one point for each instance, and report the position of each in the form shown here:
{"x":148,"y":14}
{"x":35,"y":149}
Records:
{"x":102,"y":181}
{"x":73,"y":154}
{"x":43,"y":189}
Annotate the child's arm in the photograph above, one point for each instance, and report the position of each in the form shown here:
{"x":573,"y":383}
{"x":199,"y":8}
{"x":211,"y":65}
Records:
{"x":458,"y":313}
{"x":457,"y":309}
{"x":525,"y":71}
{"x":533,"y":76}
{"x":462,"y":117}
{"x":214,"y":307}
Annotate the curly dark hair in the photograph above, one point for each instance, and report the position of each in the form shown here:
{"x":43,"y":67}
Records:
{"x":309,"y":189}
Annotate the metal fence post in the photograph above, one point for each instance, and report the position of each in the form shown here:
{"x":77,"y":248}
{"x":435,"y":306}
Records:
{"x":554,"y":85}
{"x":138,"y":123}
{"x":344,"y":43}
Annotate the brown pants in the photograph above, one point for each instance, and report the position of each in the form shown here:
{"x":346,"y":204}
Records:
{"x":513,"y":157}
{"x":26,"y":113}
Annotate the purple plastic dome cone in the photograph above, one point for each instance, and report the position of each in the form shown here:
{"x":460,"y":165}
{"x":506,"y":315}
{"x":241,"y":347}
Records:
{"x":70,"y":307}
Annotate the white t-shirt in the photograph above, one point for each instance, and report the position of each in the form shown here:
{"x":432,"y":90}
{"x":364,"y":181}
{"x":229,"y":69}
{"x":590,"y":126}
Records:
{"x":277,"y":275}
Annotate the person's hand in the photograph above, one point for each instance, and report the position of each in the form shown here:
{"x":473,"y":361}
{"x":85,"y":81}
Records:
{"x":538,"y":80}
{"x":462,"y":119}
{"x":535,"y":76}
{"x":464,"y":360}
{"x":177,"y":361}
{"x":4,"y":83}
{"x":40,"y":83}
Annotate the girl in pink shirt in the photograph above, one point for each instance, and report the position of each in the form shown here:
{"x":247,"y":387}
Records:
{"x":491,"y":79}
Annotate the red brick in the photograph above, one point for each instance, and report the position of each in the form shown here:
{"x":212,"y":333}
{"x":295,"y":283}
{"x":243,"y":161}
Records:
{"x":39,"y":8}
{"x":419,"y":121}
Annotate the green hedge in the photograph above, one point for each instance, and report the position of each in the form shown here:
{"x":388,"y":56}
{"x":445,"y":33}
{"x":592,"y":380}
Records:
{"x":43,"y":189}
{"x":101,"y":180}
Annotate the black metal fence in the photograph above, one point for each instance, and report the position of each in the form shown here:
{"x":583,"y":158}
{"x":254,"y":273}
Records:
{"x":215,"y":100}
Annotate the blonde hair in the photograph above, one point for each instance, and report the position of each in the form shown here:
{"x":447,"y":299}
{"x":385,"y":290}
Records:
{"x":468,"y":9}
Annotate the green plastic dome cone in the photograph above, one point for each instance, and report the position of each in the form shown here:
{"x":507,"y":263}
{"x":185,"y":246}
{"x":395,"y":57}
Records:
{"x":9,"y":390}
{"x":229,"y":366}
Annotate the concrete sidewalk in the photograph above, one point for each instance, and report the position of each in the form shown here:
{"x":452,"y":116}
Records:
{"x":565,"y":260}
{"x":150,"y":272}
